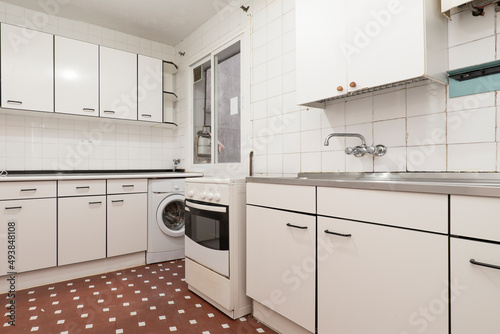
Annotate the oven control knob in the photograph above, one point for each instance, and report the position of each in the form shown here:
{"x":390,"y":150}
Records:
{"x":210,"y":196}
{"x":203,"y":195}
{"x":217,"y":197}
{"x":190,"y":193}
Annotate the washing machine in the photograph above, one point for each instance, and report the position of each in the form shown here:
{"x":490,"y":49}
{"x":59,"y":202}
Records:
{"x":165,"y":220}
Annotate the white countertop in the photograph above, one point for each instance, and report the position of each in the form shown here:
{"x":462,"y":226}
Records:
{"x":97,"y":176}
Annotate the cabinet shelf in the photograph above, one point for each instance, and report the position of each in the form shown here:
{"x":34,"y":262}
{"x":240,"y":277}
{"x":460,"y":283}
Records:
{"x":170,"y":96}
{"x":170,"y":67}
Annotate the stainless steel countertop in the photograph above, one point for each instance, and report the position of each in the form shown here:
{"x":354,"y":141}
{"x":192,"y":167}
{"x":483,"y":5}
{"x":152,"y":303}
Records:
{"x":97,"y":176}
{"x":474,"y":184}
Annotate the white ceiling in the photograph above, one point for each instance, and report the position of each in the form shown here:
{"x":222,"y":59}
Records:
{"x":165,"y":21}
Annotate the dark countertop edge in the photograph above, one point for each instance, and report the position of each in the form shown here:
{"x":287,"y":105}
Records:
{"x":414,"y":186}
{"x":94,"y":176}
{"x":92,"y":171}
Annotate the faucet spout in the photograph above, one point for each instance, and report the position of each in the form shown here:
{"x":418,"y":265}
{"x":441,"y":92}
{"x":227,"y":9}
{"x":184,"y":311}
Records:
{"x":355,"y":135}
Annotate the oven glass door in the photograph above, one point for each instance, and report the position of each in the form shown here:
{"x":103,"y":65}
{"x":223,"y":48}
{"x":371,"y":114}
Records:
{"x":207,"y":235}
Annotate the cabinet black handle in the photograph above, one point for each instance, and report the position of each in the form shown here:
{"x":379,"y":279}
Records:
{"x":32,"y":189}
{"x":95,"y":202}
{"x":127,"y":185}
{"x":109,"y":111}
{"x":482,"y":264}
{"x":88,"y":109}
{"x":14,"y":102}
{"x":339,"y":234}
{"x":13,"y":208}
{"x":296,"y":226}
{"x":146,"y":115}
{"x":117,"y":201}
{"x":85,"y":187}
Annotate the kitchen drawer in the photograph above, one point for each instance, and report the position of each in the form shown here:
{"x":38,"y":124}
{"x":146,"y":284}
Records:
{"x":127,"y":186}
{"x":427,"y":212}
{"x":81,"y":188}
{"x":477,"y":217}
{"x":20,"y":190}
{"x":288,"y":197}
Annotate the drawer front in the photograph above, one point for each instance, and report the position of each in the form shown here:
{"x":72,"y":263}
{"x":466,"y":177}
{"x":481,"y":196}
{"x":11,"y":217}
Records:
{"x":127,"y":186}
{"x":477,"y":217}
{"x":475,"y":288}
{"x":288,"y":197}
{"x":427,"y":212}
{"x":81,"y":188}
{"x":20,"y":190}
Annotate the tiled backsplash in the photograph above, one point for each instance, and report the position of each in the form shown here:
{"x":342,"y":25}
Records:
{"x":422,"y":128}
{"x":32,"y":142}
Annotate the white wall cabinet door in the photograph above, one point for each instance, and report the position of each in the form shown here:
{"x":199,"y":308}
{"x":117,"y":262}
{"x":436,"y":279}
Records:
{"x":150,"y":89}
{"x":281,"y":263}
{"x":118,"y":84}
{"x":34,"y":222}
{"x":475,"y":289}
{"x":321,"y":62}
{"x":76,"y":77}
{"x":378,"y":279}
{"x":27,"y":63}
{"x":81,"y":229}
{"x":380,"y":45}
{"x":127,"y":224}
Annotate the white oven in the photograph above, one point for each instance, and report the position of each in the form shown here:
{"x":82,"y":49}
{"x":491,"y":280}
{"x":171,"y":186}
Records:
{"x":215,"y":241}
{"x":207,"y":235}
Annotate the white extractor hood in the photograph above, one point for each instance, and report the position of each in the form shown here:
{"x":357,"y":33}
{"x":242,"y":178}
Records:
{"x":446,"y":5}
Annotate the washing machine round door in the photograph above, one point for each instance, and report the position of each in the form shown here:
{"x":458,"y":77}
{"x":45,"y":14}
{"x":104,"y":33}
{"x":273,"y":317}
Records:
{"x":170,"y":215}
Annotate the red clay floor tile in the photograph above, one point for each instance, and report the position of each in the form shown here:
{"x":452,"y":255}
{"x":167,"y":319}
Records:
{"x":150,"y":299}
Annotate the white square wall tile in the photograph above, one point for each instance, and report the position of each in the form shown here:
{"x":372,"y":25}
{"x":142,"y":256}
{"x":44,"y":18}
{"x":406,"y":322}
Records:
{"x":310,"y":119}
{"x":260,"y":164}
{"x":359,"y":165}
{"x":473,"y":101}
{"x":310,"y":141}
{"x":291,"y":163}
{"x":363,"y":129}
{"x":259,"y":38}
{"x":275,"y":106}
{"x":471,"y":126}
{"x":291,"y":142}
{"x":310,"y":162}
{"x":425,"y":100}
{"x":275,"y":144}
{"x":333,"y":161}
{"x":274,"y":10}
{"x":430,"y":158}
{"x":333,"y":115}
{"x":394,"y":160}
{"x":275,"y":164}
{"x":390,"y":133}
{"x":359,"y":110}
{"x":275,"y":29}
{"x":472,"y":157}
{"x":426,"y":130}
{"x":473,"y":53}
{"x":291,"y":122}
{"x":259,"y":109}
{"x":464,"y":28}
{"x":389,"y":106}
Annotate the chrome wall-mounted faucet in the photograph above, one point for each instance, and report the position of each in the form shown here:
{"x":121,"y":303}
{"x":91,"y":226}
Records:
{"x":358,"y":151}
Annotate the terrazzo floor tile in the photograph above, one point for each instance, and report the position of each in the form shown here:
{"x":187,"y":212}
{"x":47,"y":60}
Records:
{"x":148,"y":299}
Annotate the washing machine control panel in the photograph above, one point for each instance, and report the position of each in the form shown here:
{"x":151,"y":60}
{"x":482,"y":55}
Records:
{"x":207,"y":192}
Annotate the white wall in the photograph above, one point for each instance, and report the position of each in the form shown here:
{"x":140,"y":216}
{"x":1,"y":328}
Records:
{"x":32,"y":142}
{"x":422,"y":128}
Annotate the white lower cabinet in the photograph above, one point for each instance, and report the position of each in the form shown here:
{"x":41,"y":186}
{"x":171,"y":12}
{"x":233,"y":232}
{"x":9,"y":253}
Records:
{"x":34,"y":223}
{"x":475,"y":288}
{"x":127,"y":224}
{"x":281,"y":263}
{"x":379,"y":279}
{"x":81,"y":229}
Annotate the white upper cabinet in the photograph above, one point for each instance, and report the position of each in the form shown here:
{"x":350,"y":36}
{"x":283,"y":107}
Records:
{"x":342,"y":50}
{"x":150,"y":89}
{"x":27,"y":69}
{"x":76,"y":77}
{"x":118,"y":84}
